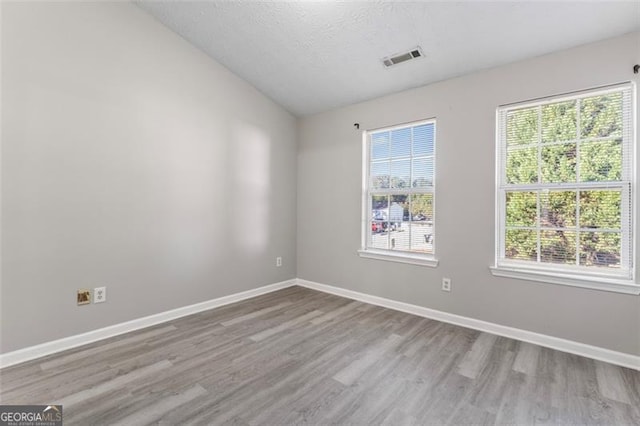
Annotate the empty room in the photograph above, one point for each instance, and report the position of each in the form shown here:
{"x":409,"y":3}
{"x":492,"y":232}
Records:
{"x":319,"y":212}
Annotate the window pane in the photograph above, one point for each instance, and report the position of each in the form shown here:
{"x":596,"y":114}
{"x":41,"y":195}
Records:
{"x":380,"y":175}
{"x":601,"y":161}
{"x":399,"y":237}
{"x":559,"y":122}
{"x":558,"y":209}
{"x":600,"y":209}
{"x":379,"y":221}
{"x":522,"y":208}
{"x":422,"y":172}
{"x":601,"y":116}
{"x":400,"y":172}
{"x":600,"y":249}
{"x":522,"y":126}
{"x":421,"y":207}
{"x":559,"y":163}
{"x":380,"y":145}
{"x":423,"y":140}
{"x":522,"y":165}
{"x":422,"y":237}
{"x":379,"y":207}
{"x":399,"y":230}
{"x":401,"y":142}
{"x":399,"y":209}
{"x":521,"y":244}
{"x":558,"y":247}
{"x":379,"y":236}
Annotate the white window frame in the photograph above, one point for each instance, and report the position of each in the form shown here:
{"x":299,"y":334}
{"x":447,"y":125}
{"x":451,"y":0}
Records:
{"x":621,"y":281}
{"x":414,"y":258}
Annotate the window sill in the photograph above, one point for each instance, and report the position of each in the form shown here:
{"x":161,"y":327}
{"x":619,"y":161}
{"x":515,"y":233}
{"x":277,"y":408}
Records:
{"x":615,"y":285}
{"x":413,"y":259}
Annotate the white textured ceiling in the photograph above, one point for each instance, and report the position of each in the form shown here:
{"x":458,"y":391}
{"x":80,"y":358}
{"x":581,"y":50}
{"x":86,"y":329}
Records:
{"x":313,"y":56}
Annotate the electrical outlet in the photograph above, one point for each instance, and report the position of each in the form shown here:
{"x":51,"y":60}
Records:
{"x":446,"y":284}
{"x":84,"y":296}
{"x":99,"y":295}
{"x":278,"y":261}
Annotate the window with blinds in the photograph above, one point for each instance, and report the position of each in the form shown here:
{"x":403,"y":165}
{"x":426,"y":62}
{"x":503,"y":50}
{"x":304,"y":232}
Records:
{"x":565,"y":184}
{"x":399,"y":185}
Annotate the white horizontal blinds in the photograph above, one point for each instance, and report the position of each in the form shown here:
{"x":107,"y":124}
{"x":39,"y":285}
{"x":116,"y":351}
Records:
{"x":400,"y":188}
{"x":565,"y":181}
{"x":423,"y":162}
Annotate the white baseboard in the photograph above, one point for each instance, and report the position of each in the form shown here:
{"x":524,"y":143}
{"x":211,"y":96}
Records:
{"x":48,"y":348}
{"x":594,"y":352}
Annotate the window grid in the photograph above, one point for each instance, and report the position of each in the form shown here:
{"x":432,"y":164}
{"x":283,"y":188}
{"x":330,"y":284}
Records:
{"x":409,"y":190}
{"x":540,"y":187}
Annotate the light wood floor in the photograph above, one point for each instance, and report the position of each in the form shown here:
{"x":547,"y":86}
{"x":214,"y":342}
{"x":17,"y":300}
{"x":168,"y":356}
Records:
{"x":298,"y":356}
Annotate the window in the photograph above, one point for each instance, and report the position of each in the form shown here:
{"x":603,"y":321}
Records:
{"x":398,"y":195}
{"x":565,"y":190}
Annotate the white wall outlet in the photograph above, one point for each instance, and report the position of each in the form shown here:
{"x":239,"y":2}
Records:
{"x":446,"y":284}
{"x":99,"y":294}
{"x":278,"y":261}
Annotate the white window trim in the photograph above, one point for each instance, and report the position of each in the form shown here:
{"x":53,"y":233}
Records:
{"x":546,"y":276}
{"x":428,"y":260}
{"x":401,"y":257}
{"x":596,"y":280}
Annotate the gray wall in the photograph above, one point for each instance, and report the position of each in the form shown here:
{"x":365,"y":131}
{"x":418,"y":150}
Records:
{"x":329,"y":185}
{"x":132,"y":160}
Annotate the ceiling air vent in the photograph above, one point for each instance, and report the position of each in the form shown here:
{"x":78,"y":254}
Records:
{"x":402,"y":57}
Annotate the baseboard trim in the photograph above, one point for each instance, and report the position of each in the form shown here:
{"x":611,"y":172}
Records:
{"x":48,"y":348}
{"x":577,"y":348}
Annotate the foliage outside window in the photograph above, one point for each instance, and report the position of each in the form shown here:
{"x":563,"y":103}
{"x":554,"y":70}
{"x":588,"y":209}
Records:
{"x":565,"y":184}
{"x":399,"y":190}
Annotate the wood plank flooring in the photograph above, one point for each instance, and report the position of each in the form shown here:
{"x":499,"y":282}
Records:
{"x":297,"y":356}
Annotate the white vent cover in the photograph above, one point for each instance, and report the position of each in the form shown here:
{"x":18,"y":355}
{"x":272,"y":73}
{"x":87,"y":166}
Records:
{"x":414,"y":53}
